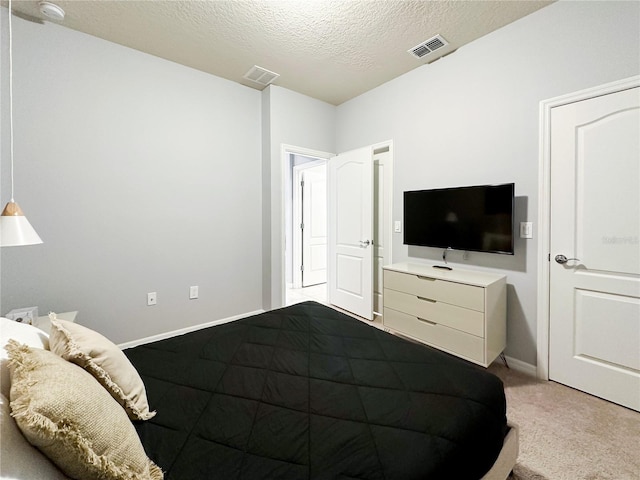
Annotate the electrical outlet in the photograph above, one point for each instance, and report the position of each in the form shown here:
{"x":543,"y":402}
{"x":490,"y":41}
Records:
{"x":193,"y":292}
{"x":152,"y":298}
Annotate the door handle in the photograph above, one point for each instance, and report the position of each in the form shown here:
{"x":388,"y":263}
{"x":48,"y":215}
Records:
{"x":364,"y":243}
{"x":561,"y":259}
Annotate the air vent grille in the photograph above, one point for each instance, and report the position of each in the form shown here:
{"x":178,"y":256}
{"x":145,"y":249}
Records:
{"x":261,"y":75}
{"x":428,"y":47}
{"x":435,"y":44}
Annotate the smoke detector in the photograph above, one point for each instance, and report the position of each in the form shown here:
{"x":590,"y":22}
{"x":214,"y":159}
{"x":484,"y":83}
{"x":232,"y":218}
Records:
{"x":261,"y":75}
{"x":51,"y":10}
{"x":430,"y":49}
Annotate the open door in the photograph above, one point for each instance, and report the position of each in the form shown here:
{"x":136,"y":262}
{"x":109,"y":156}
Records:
{"x":350,"y":230}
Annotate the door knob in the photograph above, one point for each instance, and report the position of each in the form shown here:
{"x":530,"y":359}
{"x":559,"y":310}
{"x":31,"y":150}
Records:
{"x":364,"y":243}
{"x":561,"y":259}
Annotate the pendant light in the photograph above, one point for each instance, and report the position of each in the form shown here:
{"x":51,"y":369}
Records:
{"x":15,"y":229}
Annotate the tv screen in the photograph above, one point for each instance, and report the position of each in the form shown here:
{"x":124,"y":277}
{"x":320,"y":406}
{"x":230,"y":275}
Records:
{"x":477,"y":218}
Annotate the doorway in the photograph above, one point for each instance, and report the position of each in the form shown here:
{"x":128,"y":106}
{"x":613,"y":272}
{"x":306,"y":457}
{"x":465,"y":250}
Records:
{"x":309,"y":225}
{"x":305,"y":227}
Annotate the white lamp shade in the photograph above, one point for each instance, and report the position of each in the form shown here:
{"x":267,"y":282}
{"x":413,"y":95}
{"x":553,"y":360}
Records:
{"x":15,"y":229}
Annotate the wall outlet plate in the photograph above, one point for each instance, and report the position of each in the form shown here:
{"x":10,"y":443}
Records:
{"x":152,"y":298}
{"x":23,"y":315}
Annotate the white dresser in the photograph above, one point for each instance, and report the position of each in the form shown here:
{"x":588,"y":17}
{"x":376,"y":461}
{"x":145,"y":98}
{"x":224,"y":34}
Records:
{"x":462,"y":312}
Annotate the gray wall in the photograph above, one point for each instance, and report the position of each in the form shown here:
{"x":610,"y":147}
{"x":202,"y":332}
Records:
{"x":472,"y":118}
{"x":140,"y":175}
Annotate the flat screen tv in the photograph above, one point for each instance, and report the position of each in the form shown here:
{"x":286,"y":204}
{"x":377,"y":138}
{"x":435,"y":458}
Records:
{"x":477,"y":218}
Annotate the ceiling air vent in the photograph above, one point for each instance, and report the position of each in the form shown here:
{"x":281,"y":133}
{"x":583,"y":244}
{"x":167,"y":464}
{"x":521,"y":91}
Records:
{"x":261,"y":75}
{"x":428,"y":47}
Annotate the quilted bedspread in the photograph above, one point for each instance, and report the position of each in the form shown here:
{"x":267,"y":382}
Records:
{"x":306,"y":392}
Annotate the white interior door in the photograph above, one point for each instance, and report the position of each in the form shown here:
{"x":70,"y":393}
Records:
{"x":594,"y":302}
{"x":314,"y":225}
{"x":350,"y":229}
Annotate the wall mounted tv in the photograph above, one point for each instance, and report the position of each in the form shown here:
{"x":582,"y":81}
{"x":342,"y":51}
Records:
{"x":477,"y":218}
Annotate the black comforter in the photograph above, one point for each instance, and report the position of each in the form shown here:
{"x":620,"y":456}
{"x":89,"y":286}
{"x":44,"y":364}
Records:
{"x":305,"y":392}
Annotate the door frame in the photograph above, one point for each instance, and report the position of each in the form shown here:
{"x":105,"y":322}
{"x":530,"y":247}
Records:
{"x":296,"y":248}
{"x":544,"y":208}
{"x":387,"y":199}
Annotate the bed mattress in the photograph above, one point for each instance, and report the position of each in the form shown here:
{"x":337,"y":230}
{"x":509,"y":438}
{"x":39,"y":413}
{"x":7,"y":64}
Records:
{"x":306,"y":392}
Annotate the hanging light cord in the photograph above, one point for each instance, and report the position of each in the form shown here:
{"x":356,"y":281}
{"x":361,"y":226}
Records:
{"x":11,"y":99}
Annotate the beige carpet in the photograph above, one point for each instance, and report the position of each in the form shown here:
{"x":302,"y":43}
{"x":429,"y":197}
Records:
{"x":567,"y":434}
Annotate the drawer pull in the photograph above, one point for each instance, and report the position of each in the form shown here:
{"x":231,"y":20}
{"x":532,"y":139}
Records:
{"x":426,"y":321}
{"x":427,"y":299}
{"x":426,"y":278}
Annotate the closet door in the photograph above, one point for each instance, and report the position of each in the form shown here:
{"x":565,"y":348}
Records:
{"x":595,"y":259}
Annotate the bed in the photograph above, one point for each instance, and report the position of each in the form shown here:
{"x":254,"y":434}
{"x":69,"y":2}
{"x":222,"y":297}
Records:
{"x":302,"y":392}
{"x":306,"y":392}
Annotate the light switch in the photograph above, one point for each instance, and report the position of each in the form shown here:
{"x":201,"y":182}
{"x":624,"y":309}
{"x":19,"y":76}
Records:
{"x":397,"y":226}
{"x":526,"y":229}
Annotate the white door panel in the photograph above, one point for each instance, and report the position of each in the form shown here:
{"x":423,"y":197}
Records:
{"x":350,"y":281}
{"x":615,"y":314}
{"x":349,"y":192}
{"x":594,"y":342}
{"x":607,"y":194}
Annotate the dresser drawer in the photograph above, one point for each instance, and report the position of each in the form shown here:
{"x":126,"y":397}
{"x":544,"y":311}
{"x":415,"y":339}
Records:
{"x":467,"y":296}
{"x":467,"y":320}
{"x":446,"y":338}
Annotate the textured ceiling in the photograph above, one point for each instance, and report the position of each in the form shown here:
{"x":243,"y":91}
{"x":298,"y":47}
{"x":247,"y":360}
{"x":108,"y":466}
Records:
{"x":332,"y":50}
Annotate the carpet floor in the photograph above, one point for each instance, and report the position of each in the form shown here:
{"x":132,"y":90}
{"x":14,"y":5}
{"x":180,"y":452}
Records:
{"x":568,"y":434}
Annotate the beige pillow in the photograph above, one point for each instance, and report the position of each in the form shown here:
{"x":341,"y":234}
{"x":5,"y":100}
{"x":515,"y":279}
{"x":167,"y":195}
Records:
{"x":105,"y":361}
{"x":23,"y":333}
{"x":62,"y":410}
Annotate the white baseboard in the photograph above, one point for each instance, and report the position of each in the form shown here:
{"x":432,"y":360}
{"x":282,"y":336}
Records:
{"x":520,"y":366}
{"x":182,"y":331}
